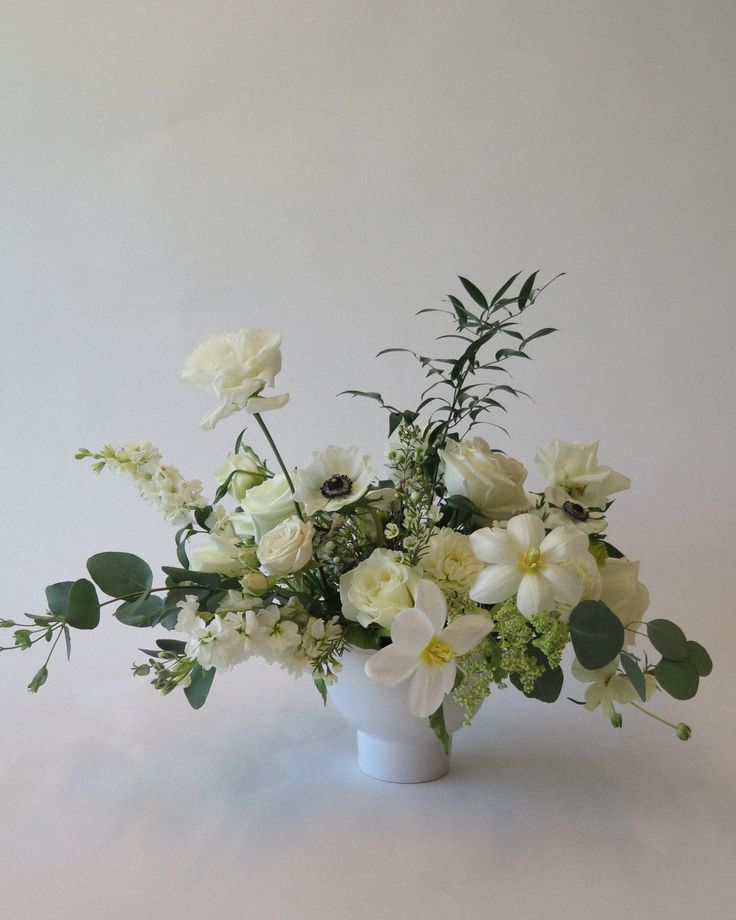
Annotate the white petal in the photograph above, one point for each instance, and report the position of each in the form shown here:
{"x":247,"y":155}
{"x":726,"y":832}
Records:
{"x":527,"y":530}
{"x":466,"y":632}
{"x":496,"y":583}
{"x":566,"y":585}
{"x":428,"y":687}
{"x":389,"y":666}
{"x":534,"y":595}
{"x":562,"y":544}
{"x":412,"y":631}
{"x":266,"y":403}
{"x":494,"y":546}
{"x":428,"y":598}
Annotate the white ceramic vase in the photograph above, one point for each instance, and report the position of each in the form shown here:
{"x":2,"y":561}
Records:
{"x":392,"y":745}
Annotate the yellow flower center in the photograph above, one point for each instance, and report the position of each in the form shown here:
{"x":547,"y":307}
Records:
{"x":531,"y":561}
{"x":438,"y":652}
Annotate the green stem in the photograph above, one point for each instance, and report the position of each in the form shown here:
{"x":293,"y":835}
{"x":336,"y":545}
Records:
{"x":658,"y":718}
{"x":51,"y":650}
{"x":279,"y":460}
{"x":125,"y":597}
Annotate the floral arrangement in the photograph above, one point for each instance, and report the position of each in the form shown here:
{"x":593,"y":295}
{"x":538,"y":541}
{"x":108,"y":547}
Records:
{"x":454,"y":574}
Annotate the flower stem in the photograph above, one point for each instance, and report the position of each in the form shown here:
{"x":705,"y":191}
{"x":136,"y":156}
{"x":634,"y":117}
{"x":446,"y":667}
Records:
{"x":279,"y":460}
{"x":658,"y":718}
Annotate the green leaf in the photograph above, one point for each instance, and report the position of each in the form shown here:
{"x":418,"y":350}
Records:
{"x":83,"y":611}
{"x":698,"y":656}
{"x":199,"y":688}
{"x":504,"y":287}
{"x":57,"y":597}
{"x":678,"y":678}
{"x":538,"y":335}
{"x":635,"y":675}
{"x":120,"y":575}
{"x":172,"y":645}
{"x":437,"y":724}
{"x":361,"y":636}
{"x":526,"y":291}
{"x":68,"y":642}
{"x":596,"y":633}
{"x":547,"y":687}
{"x":668,"y":639}
{"x":477,"y":295}
{"x":613,"y":553}
{"x":322,"y":687}
{"x":145,"y":611}
{"x":203,"y":579}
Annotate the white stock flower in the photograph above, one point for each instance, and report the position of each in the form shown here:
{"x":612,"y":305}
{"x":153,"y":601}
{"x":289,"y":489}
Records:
{"x":608,"y":687}
{"x":525,"y":562}
{"x":236,"y":366}
{"x":247,"y":473}
{"x":424,"y":649}
{"x":377,"y":589}
{"x":623,"y":593}
{"x":335,"y":477}
{"x":574,"y":466}
{"x":264,"y":507}
{"x":493,"y":482}
{"x":450,"y":561}
{"x":287,"y":548}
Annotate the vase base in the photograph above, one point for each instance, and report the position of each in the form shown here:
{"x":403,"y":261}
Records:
{"x":402,"y":761}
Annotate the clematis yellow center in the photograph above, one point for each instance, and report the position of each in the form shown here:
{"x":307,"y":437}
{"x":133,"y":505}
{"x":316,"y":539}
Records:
{"x":438,"y":652}
{"x":531,"y":561}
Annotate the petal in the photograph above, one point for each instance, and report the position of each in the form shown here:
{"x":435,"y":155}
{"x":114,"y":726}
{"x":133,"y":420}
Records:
{"x":466,"y":632}
{"x":265,"y":403}
{"x":428,"y":688}
{"x":526,"y":530}
{"x":494,"y":546}
{"x":565,"y":585}
{"x":496,"y":583}
{"x":428,"y":598}
{"x":534,"y":595}
{"x":594,"y":695}
{"x":562,"y":544}
{"x":389,"y":666}
{"x":412,"y":631}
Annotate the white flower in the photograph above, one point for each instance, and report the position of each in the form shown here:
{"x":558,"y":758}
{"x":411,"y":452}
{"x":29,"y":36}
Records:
{"x":608,"y":687}
{"x":218,"y":643}
{"x":586,"y":568}
{"x":217,"y":552}
{"x":450,"y":561}
{"x":247,"y":472}
{"x":562,"y":511}
{"x":335,"y":477}
{"x":493,"y":482}
{"x":377,"y":589}
{"x":424,"y":651}
{"x":623,"y":593}
{"x":237,"y":366}
{"x":524,"y":561}
{"x":287,"y":548}
{"x":264,"y":507}
{"x":574,"y":466}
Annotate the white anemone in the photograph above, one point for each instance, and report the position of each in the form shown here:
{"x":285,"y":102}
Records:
{"x":523,"y":561}
{"x":336,"y":476}
{"x":424,"y":649}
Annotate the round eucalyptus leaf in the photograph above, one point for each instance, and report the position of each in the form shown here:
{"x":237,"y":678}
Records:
{"x":83,"y":609}
{"x":668,"y":639}
{"x":698,"y":656}
{"x":596,"y":633}
{"x":144,"y":611}
{"x":678,"y":678}
{"x":120,"y":575}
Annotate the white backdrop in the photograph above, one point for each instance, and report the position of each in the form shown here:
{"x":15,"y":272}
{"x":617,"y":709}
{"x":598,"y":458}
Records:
{"x":172,"y":169}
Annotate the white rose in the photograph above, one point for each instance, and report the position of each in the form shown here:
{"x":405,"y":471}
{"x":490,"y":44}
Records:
{"x":217,"y":553}
{"x":377,"y":589}
{"x":264,"y":507}
{"x":586,"y":568}
{"x":450,"y":561}
{"x":574,"y":466}
{"x":287,"y":548}
{"x":248,"y":474}
{"x":237,"y":366}
{"x":622,"y":591}
{"x":493,"y":482}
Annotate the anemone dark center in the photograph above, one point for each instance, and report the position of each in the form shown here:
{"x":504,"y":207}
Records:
{"x":576,"y":511}
{"x":337,"y":486}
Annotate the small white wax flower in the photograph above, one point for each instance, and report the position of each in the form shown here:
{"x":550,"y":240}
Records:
{"x":424,"y":649}
{"x":523,"y":561}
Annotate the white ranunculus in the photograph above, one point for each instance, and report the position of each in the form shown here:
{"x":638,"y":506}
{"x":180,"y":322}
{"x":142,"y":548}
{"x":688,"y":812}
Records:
{"x":450,"y":561}
{"x":217,"y":553}
{"x":622,"y":591}
{"x":247,"y":474}
{"x":574,"y":466}
{"x":335,"y":477}
{"x":264,"y":507}
{"x":286,"y":548}
{"x":493,"y":482}
{"x":237,"y":366}
{"x":377,"y":589}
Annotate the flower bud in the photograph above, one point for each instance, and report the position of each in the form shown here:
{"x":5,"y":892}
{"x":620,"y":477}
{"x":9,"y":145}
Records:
{"x":616,"y":719}
{"x":684,"y":732}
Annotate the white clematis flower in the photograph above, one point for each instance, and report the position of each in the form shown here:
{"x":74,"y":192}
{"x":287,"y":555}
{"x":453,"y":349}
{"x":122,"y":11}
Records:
{"x":574,"y":466}
{"x":525,"y":562}
{"x":424,"y":649}
{"x":607,"y":686}
{"x":237,"y":366}
{"x":336,"y":476}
